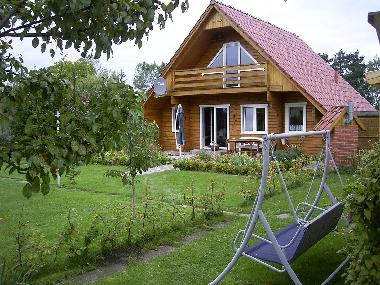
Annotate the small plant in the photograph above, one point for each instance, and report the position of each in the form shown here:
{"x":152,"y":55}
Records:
{"x":248,"y":190}
{"x":191,"y":200}
{"x":211,"y":201}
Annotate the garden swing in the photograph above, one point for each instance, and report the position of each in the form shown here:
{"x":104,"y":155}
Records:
{"x":284,"y":246}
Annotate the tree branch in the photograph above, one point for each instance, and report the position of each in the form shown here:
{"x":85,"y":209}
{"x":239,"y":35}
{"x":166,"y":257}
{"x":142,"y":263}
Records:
{"x":10,"y":14}
{"x":29,"y":35}
{"x":7,"y":32}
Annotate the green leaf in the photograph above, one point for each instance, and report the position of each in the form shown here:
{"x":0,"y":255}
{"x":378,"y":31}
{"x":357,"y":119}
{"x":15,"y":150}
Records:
{"x":43,"y":47}
{"x":35,"y":42}
{"x":367,"y":214}
{"x":45,"y":188}
{"x":35,"y":186}
{"x":52,"y":52}
{"x":27,"y":190}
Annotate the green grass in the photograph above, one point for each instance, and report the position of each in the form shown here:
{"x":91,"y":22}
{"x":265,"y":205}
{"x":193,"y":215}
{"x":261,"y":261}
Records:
{"x":195,"y":263}
{"x":202,"y":260}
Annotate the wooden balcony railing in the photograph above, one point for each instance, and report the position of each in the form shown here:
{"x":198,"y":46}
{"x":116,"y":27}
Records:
{"x":231,"y":79}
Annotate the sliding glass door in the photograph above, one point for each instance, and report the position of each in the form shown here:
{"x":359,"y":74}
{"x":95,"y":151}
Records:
{"x":214,"y":125}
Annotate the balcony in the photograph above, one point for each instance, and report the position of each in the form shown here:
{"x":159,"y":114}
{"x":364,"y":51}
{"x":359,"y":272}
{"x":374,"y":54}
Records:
{"x":223,"y":80}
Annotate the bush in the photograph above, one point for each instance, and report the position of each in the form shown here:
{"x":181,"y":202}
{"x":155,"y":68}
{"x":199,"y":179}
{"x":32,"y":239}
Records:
{"x":288,"y":155}
{"x":234,"y":164}
{"x":117,"y":158}
{"x":363,"y":204}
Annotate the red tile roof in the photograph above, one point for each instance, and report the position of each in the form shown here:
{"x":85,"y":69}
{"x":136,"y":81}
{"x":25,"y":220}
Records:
{"x":298,"y":61}
{"x":329,"y":119}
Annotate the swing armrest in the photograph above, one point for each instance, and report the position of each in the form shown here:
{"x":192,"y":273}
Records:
{"x":266,"y":240}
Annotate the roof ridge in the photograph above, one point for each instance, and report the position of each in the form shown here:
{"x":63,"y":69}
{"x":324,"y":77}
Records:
{"x":213,"y":2}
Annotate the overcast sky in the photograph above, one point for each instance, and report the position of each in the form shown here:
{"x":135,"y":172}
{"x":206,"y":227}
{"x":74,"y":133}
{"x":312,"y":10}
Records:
{"x":325,"y":25}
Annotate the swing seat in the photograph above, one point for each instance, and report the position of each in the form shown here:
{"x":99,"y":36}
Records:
{"x":297,"y":238}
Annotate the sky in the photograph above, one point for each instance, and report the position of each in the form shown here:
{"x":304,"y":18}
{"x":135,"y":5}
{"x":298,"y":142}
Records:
{"x":325,"y":25}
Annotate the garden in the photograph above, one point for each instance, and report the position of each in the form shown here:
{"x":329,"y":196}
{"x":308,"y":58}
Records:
{"x":86,"y":223}
{"x":84,"y":126}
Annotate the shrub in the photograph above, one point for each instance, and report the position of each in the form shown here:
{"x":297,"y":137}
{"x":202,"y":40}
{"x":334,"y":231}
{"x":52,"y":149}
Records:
{"x":286,"y":157}
{"x":363,"y":204}
{"x":117,"y":158}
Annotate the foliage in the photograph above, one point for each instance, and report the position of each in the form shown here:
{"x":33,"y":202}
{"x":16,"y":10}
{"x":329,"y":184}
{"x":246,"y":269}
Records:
{"x":90,"y":122}
{"x":287,"y":156}
{"x":116,"y":158}
{"x":363,"y":204}
{"x":84,"y":126}
{"x":236,"y":164}
{"x":352,"y":68}
{"x":108,"y":231}
{"x":146,"y":74}
{"x":211,"y":201}
{"x":90,"y":26}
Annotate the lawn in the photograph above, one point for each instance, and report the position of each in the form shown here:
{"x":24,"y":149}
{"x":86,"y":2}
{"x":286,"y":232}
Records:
{"x":195,"y":263}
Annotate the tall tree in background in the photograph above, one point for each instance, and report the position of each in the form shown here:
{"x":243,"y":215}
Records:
{"x":352,"y":68}
{"x":146,"y":74}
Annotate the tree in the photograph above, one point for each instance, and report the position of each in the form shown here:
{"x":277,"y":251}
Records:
{"x":140,"y":147}
{"x":374,"y":64}
{"x":352,"y":68}
{"x":90,"y":26}
{"x":30,"y":100}
{"x":146,"y":74}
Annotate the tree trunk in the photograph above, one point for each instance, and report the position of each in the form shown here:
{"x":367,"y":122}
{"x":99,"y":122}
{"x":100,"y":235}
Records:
{"x":133,"y":197}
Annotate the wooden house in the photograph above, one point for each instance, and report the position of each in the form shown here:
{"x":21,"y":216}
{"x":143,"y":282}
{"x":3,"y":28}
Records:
{"x":238,"y":76}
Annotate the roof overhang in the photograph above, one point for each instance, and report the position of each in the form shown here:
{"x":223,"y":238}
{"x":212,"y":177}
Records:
{"x":374,"y":20}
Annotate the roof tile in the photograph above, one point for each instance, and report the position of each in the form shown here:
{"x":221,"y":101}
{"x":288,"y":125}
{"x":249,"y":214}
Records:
{"x":299,"y":61}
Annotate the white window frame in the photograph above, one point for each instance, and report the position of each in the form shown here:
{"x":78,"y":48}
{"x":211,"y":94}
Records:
{"x":223,"y":50}
{"x":287,"y":109}
{"x":242,"y":119}
{"x":174,"y":111}
{"x":224,"y":54}
{"x":201,"y":146}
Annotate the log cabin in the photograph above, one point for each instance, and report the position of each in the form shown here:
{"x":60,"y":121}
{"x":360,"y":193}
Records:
{"x":237,"y":76}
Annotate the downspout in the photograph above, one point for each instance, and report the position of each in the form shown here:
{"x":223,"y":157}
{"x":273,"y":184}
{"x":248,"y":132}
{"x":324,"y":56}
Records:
{"x":350,"y":118}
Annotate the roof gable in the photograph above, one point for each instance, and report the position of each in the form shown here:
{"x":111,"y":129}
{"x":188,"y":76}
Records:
{"x":295,"y":58}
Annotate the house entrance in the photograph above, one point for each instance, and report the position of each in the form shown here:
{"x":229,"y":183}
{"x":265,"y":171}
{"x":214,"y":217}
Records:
{"x":214,"y":125}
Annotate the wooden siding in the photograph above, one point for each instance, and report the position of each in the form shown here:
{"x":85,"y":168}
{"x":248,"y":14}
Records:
{"x":217,"y":21}
{"x":276,"y":78}
{"x":214,"y":80}
{"x":310,"y":145}
{"x":276,"y":117}
{"x":371,"y":134}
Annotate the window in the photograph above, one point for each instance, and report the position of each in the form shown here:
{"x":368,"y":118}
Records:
{"x":175,"y":124}
{"x":232,"y":54}
{"x":295,"y":117}
{"x":254,"y":119}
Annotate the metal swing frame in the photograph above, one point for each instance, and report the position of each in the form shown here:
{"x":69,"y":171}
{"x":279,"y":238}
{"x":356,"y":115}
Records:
{"x":258,"y":214}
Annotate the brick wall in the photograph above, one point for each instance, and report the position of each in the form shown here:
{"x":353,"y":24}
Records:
{"x":344,"y":143}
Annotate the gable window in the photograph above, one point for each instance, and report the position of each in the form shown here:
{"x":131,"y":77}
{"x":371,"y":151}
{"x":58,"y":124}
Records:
{"x":232,"y":54}
{"x":295,"y":117}
{"x":254,"y":119}
{"x":175,"y":123}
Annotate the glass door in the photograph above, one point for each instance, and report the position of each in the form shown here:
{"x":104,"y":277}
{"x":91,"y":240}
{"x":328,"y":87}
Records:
{"x":214,"y":125}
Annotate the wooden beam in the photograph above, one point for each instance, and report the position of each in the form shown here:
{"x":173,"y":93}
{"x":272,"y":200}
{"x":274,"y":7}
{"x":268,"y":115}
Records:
{"x":259,"y":67}
{"x":220,"y":91}
{"x":276,"y":88}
